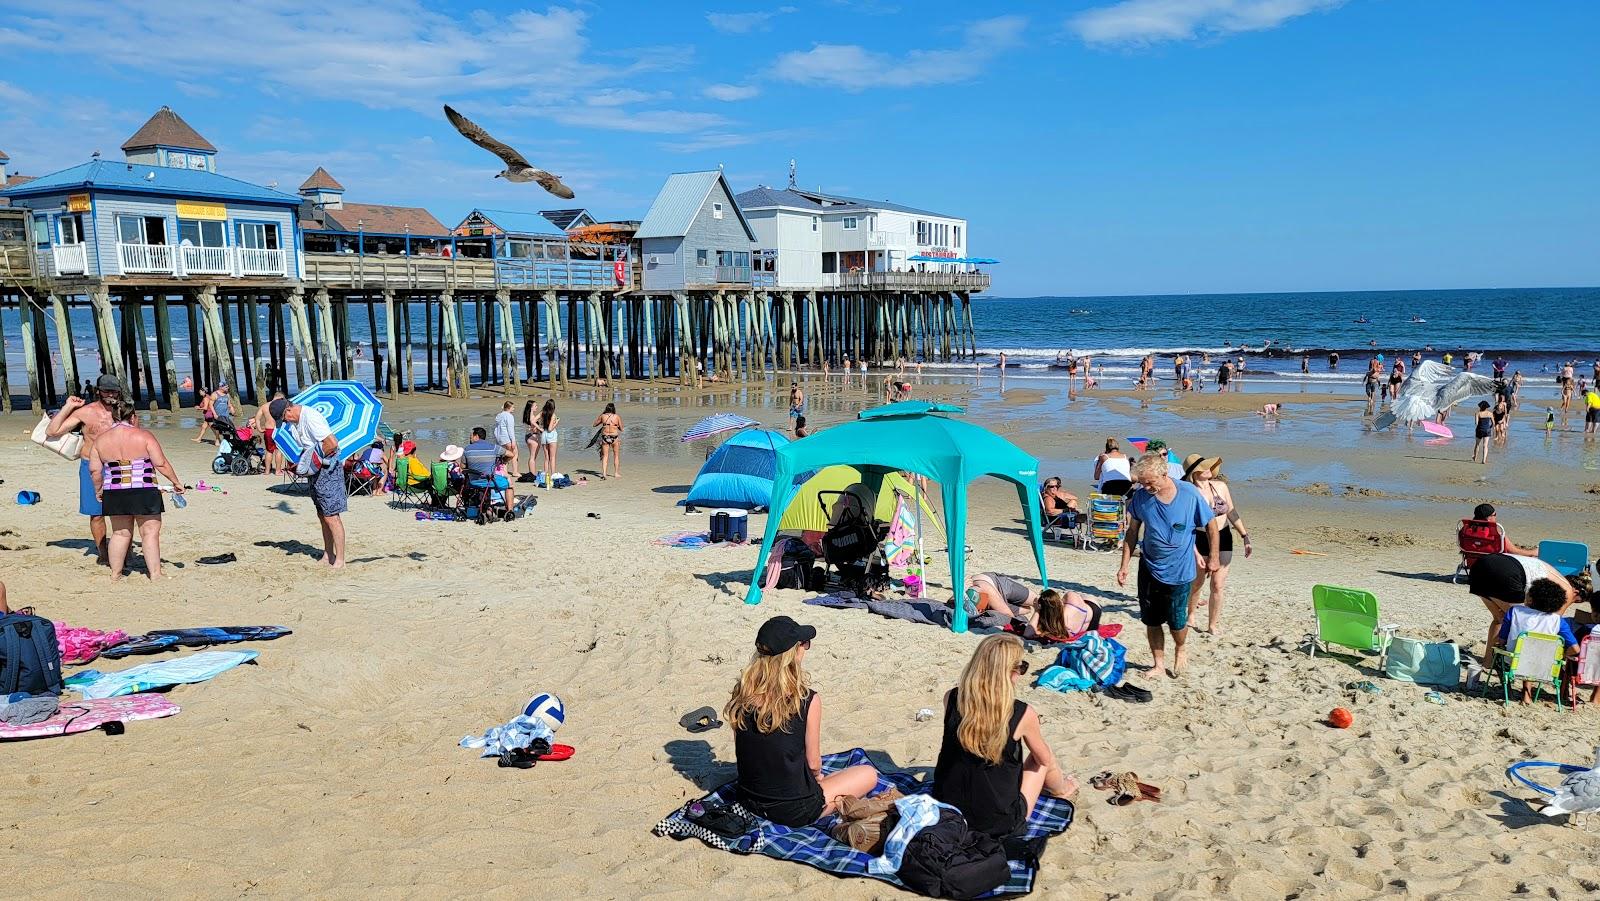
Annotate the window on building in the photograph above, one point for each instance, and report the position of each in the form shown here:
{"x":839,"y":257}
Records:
{"x":716,"y":211}
{"x":142,"y":230}
{"x":70,"y":228}
{"x":519,"y":250}
{"x":958,"y":236}
{"x":197,"y":161}
{"x":41,"y":229}
{"x":816,"y":222}
{"x":200,"y":233}
{"x":702,"y":258}
{"x":736,"y":258}
{"x":263,"y":236}
{"x":922,"y":232}
{"x":849,"y":223}
{"x":177,"y":160}
{"x":830,"y":263}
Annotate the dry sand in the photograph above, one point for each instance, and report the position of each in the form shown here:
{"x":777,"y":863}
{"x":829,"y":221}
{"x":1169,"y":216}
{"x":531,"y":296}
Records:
{"x":331,"y":768}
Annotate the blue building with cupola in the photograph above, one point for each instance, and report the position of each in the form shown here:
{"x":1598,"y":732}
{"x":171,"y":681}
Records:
{"x":162,"y":212}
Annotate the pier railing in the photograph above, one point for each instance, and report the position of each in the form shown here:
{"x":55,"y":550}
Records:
{"x":456,"y":274}
{"x":915,"y":281}
{"x":70,"y":259}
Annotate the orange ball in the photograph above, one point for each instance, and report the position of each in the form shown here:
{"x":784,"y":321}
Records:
{"x":1340,"y":718}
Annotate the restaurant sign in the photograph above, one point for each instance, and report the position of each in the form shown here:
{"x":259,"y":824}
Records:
{"x":190,"y":209}
{"x":77,"y":203}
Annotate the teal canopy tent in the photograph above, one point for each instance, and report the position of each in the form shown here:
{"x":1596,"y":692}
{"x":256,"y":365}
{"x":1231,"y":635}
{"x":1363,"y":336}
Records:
{"x":914,"y":437}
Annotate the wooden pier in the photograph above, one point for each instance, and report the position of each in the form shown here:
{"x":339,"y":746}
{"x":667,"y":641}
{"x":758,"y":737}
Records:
{"x":455,"y":323}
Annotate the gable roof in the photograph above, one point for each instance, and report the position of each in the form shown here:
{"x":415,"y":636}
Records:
{"x":680,"y":200}
{"x":565,"y":219}
{"x":3,"y":157}
{"x":167,"y":129}
{"x":383,"y":219}
{"x":514,"y":222}
{"x":763,"y":197}
{"x":320,"y":179}
{"x":108,"y":175}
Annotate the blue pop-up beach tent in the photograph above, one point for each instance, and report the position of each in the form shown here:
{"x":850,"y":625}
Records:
{"x":739,"y":473}
{"x":913,"y":436}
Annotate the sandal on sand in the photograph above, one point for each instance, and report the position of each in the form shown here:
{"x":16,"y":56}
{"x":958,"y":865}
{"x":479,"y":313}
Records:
{"x":702,"y":720}
{"x":540,"y":750}
{"x":1131,"y":693}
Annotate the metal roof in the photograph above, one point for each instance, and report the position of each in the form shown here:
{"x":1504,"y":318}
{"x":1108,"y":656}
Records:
{"x":106,"y":175}
{"x":680,"y":200}
{"x":761,"y":197}
{"x":565,"y":219}
{"x":516,"y":222}
{"x":167,"y":129}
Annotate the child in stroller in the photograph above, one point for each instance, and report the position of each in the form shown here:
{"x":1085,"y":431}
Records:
{"x":239,"y":450}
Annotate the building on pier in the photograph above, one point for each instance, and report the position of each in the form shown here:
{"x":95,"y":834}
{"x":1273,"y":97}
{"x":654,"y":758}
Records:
{"x":809,"y":239}
{"x":331,"y":225}
{"x":567,"y":220}
{"x":529,"y":249}
{"x":164,"y":211}
{"x":695,"y":236}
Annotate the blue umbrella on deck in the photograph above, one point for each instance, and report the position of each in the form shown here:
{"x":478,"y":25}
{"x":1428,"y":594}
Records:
{"x":352,"y":411}
{"x":716,"y":424}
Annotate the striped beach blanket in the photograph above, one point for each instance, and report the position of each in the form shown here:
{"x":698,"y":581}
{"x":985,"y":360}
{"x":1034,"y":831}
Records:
{"x":813,"y":846}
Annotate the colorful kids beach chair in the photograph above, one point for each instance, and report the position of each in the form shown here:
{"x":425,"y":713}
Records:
{"x":1565,"y":557}
{"x":1535,"y":657}
{"x":1348,"y":617}
{"x":1477,"y":538}
{"x":1102,"y":528}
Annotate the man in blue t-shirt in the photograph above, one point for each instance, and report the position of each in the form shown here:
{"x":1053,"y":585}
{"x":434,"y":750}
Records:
{"x":1164,"y":514}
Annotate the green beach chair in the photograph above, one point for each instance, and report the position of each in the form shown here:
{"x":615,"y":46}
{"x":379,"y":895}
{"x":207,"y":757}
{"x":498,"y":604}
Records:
{"x":1348,"y":617}
{"x":1536,"y":657}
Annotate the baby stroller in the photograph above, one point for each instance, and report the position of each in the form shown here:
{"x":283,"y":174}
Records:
{"x":238,"y":450}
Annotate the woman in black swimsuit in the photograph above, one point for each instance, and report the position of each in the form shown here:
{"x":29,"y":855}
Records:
{"x":1484,"y":428}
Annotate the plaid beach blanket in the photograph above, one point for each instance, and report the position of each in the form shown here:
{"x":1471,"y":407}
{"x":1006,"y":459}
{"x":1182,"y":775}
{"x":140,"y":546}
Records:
{"x":692,"y":541}
{"x":813,"y":846}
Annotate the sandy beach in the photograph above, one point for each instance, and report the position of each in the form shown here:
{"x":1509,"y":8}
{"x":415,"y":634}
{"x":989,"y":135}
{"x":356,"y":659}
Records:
{"x":331,"y":768}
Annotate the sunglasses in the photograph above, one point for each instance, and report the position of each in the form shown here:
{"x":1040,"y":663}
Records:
{"x":1022,"y":668}
{"x":806,"y":644}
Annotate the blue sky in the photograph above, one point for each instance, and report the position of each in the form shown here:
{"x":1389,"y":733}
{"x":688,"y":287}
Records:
{"x":1097,"y":146}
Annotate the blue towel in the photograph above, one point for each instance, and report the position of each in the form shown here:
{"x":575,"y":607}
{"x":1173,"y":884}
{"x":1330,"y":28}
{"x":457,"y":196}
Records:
{"x":813,"y":846}
{"x":1101,"y":660}
{"x":516,"y":735}
{"x":147,"y":676}
{"x":1062,"y":679}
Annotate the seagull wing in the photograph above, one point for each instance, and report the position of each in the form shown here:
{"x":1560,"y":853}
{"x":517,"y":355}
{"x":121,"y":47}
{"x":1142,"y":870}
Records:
{"x":473,"y":132}
{"x":553,"y":184}
{"x":1462,"y":387}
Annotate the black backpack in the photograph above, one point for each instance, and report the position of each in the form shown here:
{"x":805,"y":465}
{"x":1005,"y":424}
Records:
{"x":30,"y":659}
{"x":948,"y":860}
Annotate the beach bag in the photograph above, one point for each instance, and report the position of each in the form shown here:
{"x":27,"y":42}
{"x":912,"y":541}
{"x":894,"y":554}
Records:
{"x":1423,"y":662}
{"x":30,"y":658}
{"x":865,"y":823}
{"x":69,"y":445}
{"x":948,"y":860}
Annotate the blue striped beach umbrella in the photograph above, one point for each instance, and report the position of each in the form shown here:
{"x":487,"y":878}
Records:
{"x":716,"y":424}
{"x":352,"y":411}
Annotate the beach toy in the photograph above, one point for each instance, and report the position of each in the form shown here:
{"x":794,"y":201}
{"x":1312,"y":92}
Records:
{"x":1566,"y":769}
{"x":1340,"y":718}
{"x":201,"y":486}
{"x":27,"y":498}
{"x":548,"y":709}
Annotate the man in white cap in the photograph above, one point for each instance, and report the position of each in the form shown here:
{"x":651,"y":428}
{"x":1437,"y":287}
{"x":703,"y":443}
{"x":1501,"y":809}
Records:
{"x":320,"y":463}
{"x":93,"y":418}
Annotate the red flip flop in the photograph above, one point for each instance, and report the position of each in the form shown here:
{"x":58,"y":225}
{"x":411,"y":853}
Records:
{"x":559,"y":752}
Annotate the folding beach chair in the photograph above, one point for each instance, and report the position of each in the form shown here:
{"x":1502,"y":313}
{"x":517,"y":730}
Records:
{"x":413,"y":483}
{"x":1477,"y":538}
{"x":1588,"y":669}
{"x":1535,"y":657}
{"x":1565,"y":557}
{"x":1102,"y":529}
{"x":1061,"y":526}
{"x":1348,"y":617}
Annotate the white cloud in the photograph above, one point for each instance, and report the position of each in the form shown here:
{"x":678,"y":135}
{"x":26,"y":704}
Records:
{"x":854,"y":68}
{"x":1152,"y":21}
{"x":731,"y":92}
{"x":744,"y":23}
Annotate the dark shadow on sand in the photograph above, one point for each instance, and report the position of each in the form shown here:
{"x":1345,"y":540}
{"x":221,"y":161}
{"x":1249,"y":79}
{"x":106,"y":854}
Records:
{"x":74,"y":544}
{"x":670,"y":489}
{"x":695,"y":761}
{"x":293,"y":489}
{"x":291,"y":547}
{"x":723,"y":580}
{"x":1421,"y":577}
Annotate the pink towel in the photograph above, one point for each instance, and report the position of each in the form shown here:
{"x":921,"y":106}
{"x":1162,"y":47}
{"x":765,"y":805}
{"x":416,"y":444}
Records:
{"x":81,"y":645}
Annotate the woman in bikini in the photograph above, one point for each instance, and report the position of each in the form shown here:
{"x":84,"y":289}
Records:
{"x":1201,"y":472}
{"x":207,"y":415}
{"x":610,"y":441}
{"x":123,"y":463}
{"x":797,"y":401}
{"x":542,"y":432}
{"x":982,"y":769}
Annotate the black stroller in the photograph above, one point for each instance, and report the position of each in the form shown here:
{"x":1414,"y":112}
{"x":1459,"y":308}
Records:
{"x":239,"y":451}
{"x":850,"y":546}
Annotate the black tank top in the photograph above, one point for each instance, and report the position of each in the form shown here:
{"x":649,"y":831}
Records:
{"x":988,"y":794}
{"x":772,"y":765}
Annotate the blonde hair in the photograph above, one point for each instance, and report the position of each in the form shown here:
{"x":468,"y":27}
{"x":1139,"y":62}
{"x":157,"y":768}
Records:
{"x":769,"y":693}
{"x":1149,"y":465}
{"x":984,"y":697}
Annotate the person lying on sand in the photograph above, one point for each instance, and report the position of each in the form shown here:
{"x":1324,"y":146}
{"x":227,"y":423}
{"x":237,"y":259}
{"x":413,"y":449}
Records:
{"x":1002,"y":594}
{"x":982,"y":769}
{"x":777,"y":732}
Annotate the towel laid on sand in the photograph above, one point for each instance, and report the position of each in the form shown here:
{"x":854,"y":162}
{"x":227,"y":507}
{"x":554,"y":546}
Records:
{"x":79,"y":644}
{"x":146,"y":676}
{"x":926,"y":612}
{"x":165,"y":639}
{"x":813,"y":846}
{"x":81,"y":716}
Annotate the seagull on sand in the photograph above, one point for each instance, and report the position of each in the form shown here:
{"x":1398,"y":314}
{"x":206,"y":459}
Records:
{"x":517,"y":169}
{"x":1578,"y":793}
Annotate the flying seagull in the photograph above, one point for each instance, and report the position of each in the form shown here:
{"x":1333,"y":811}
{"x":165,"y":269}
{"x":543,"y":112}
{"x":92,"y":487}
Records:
{"x":517,"y":169}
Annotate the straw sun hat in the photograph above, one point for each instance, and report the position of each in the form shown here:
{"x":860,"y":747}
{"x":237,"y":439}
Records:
{"x":1195,"y":461}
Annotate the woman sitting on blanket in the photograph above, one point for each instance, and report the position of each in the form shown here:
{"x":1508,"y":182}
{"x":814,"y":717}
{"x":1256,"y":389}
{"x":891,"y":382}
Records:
{"x":982,"y":770}
{"x":777,"y":731}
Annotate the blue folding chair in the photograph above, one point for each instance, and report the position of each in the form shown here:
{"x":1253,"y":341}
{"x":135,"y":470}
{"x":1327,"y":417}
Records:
{"x":1566,"y":557}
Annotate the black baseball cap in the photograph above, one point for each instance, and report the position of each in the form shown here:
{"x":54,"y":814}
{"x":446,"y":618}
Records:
{"x":781,"y":633}
{"x":108,"y":382}
{"x":276,"y":409}
{"x":1483,"y":511}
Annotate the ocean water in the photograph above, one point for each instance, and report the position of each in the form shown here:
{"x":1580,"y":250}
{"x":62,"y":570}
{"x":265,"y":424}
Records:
{"x":1536,"y":329}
